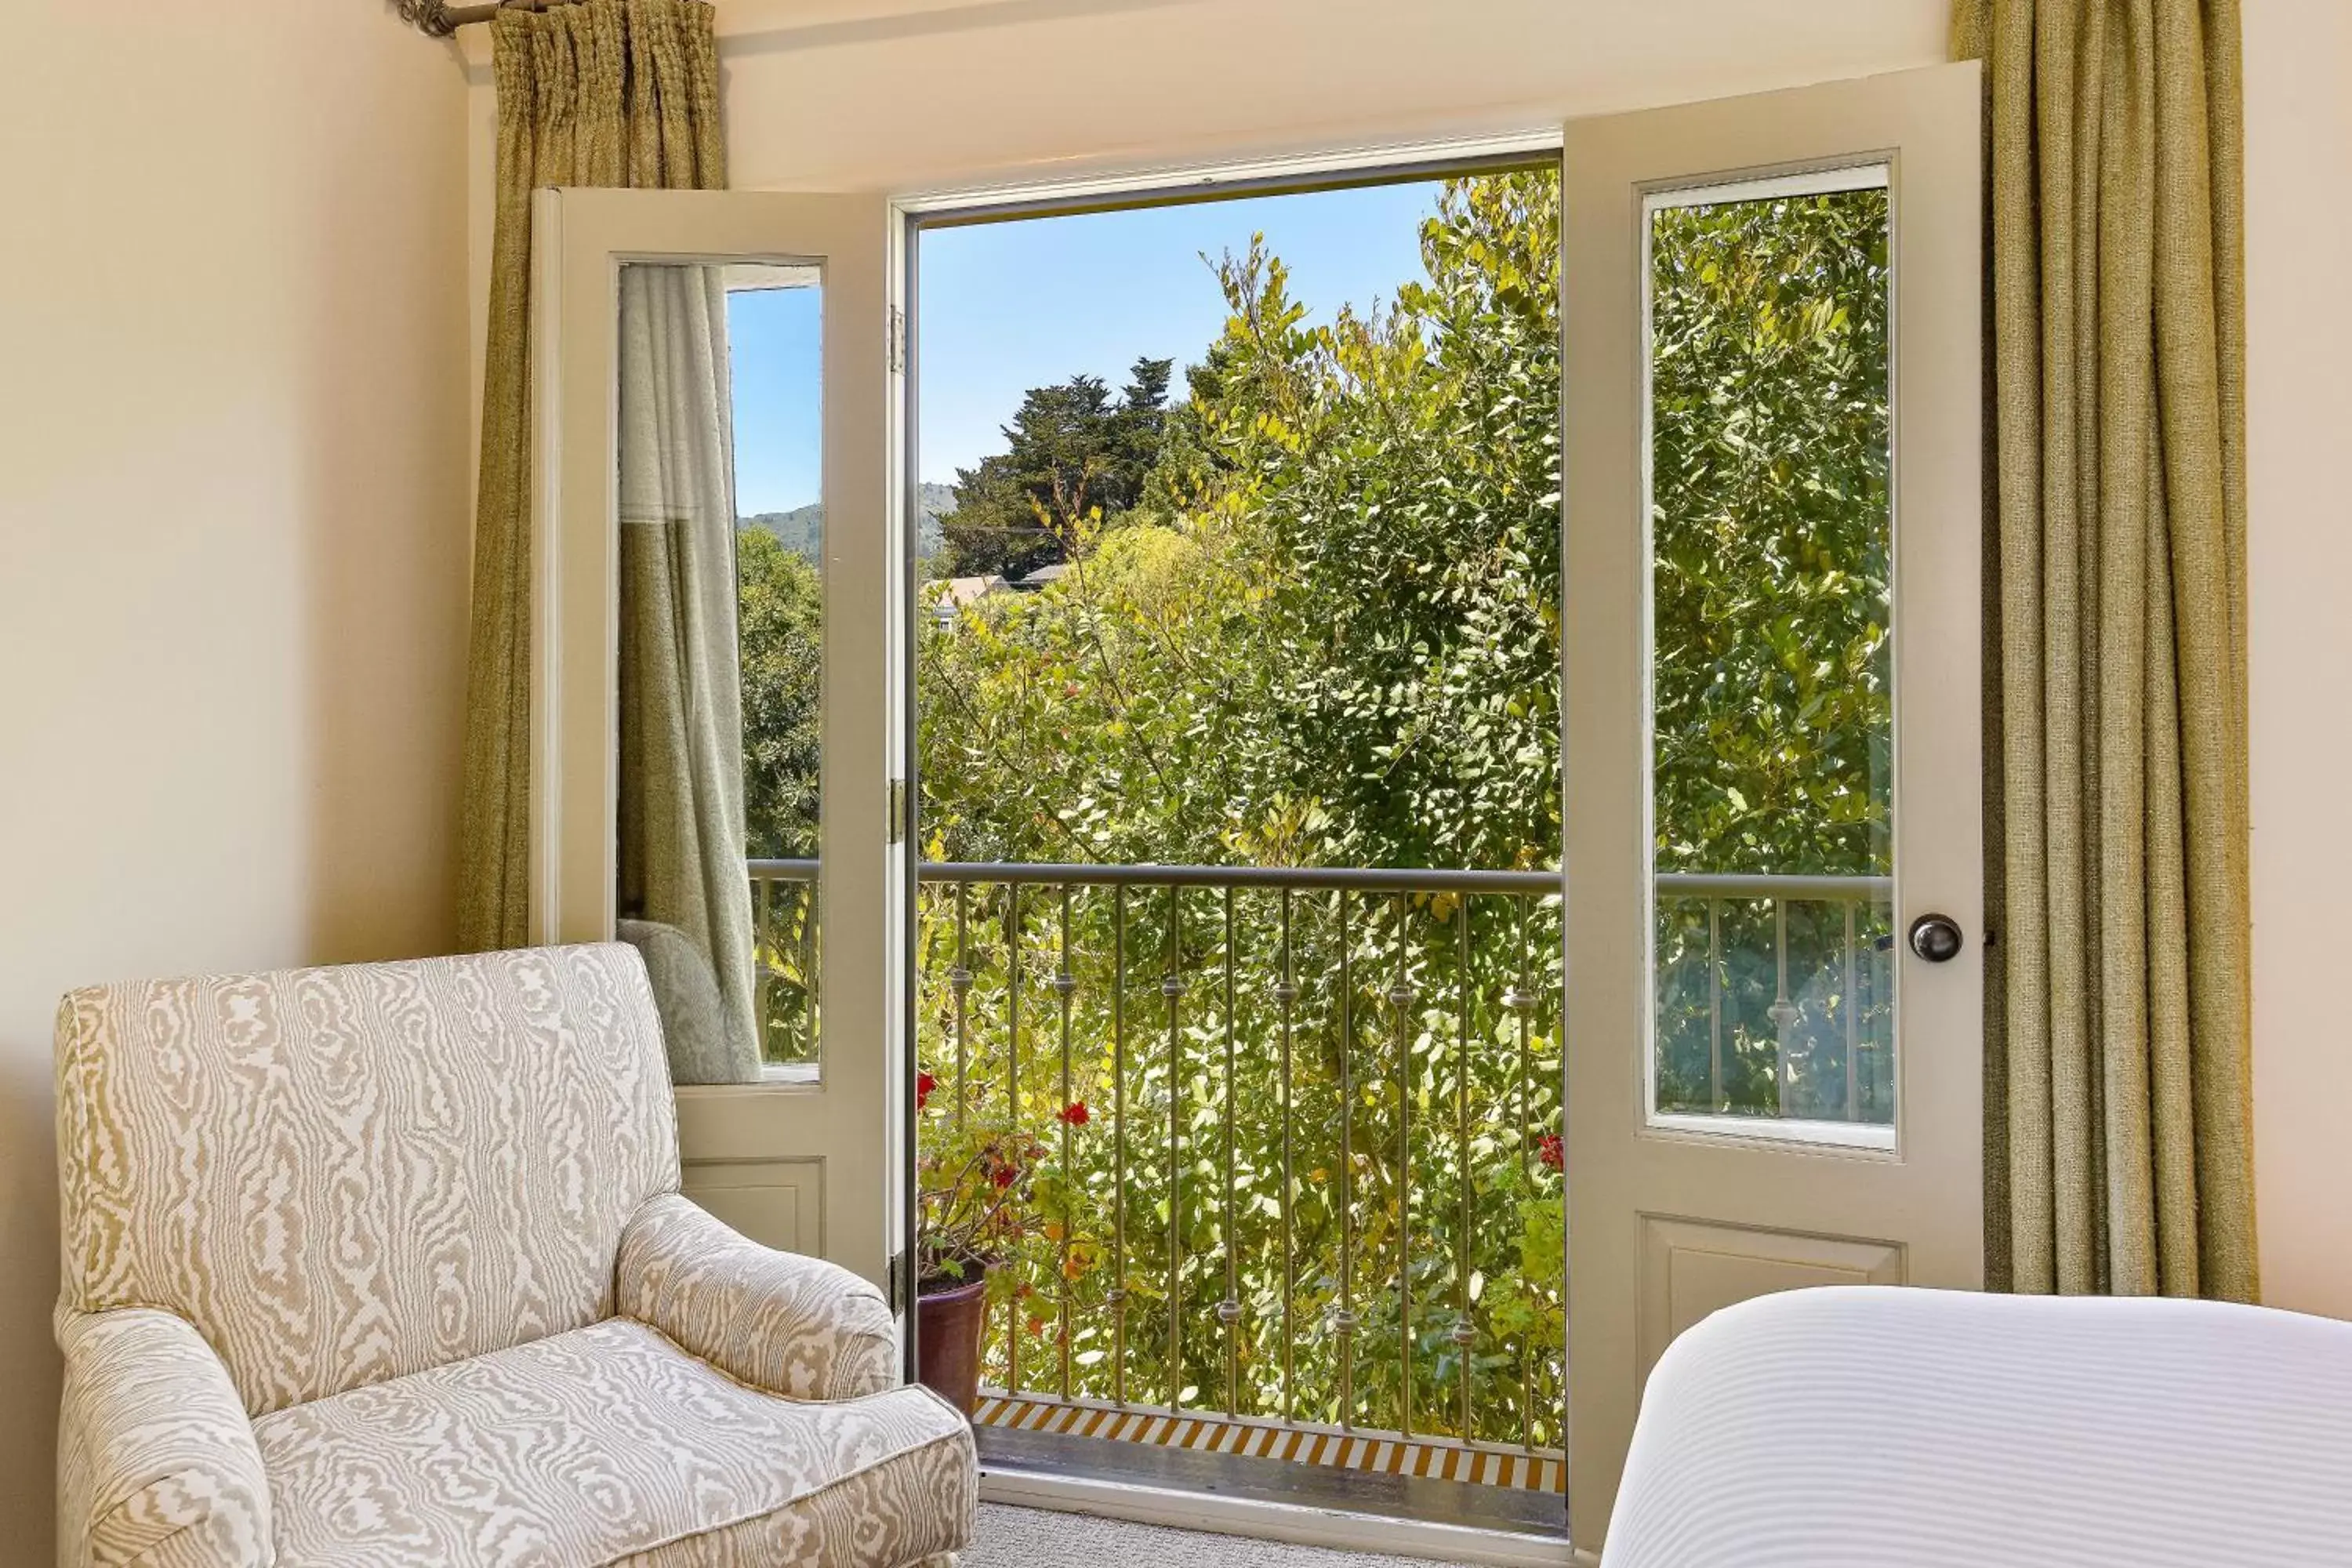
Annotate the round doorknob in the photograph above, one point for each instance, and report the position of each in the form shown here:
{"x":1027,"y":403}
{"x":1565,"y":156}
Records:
{"x":1936,"y":938}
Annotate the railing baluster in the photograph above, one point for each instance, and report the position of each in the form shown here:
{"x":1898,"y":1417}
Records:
{"x":1464,"y":1335}
{"x":762,"y":970}
{"x":1172,"y":987}
{"x":1067,"y":984}
{"x":1852,"y":1027}
{"x":1345,"y":1323}
{"x":1118,"y":1146}
{"x":1400,"y":1001}
{"x":1715,"y":1100}
{"x":812,"y":974}
{"x":960,"y":986}
{"x":1286,"y":993}
{"x":1523,"y":1003}
{"x":1229,"y":1310}
{"x":1013,"y":1323}
{"x":1784,"y":1012}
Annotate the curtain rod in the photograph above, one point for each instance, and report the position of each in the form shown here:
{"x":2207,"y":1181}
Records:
{"x":440,"y":19}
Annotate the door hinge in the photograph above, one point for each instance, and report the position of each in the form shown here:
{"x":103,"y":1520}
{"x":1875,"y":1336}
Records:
{"x":897,"y":341}
{"x":897,"y":811}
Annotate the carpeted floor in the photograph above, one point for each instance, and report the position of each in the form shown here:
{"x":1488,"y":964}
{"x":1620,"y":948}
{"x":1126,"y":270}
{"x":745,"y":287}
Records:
{"x":1033,"y":1538}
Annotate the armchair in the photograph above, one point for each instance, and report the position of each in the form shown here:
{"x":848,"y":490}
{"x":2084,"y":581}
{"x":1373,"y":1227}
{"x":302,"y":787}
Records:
{"x":387,"y":1265}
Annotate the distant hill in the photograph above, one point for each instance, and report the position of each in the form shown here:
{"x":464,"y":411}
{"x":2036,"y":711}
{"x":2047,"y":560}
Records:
{"x":800,"y":529}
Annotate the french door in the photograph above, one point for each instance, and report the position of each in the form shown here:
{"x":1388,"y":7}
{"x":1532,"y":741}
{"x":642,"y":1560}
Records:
{"x":689,"y":345}
{"x":1771,"y":362}
{"x":1771,"y":322}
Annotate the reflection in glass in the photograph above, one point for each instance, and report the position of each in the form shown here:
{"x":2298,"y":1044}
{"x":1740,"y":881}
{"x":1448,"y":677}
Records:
{"x":776,"y":316}
{"x":1772,"y":699}
{"x":684,"y":898}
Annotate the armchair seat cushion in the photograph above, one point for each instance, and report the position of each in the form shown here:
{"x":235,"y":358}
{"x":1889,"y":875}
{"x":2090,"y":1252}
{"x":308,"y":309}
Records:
{"x":610,"y":1445}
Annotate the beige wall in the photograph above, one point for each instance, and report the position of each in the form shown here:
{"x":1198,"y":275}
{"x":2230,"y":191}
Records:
{"x":2299,"y":418}
{"x":232,"y":538}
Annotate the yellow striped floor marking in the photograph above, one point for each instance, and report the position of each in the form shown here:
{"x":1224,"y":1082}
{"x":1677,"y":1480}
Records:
{"x":1443,"y":1459}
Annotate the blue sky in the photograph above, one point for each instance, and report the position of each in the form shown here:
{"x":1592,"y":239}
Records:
{"x":773,"y":347}
{"x":1008,"y":305}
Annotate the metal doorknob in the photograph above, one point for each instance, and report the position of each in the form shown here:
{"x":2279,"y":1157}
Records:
{"x":1936,"y":938}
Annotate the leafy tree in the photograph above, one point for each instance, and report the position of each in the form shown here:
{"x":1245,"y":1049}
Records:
{"x":1771,"y":682}
{"x":1073,"y":453}
{"x":1770,"y":519}
{"x":1313,"y":618}
{"x":779,"y":620}
{"x":1403,"y":471}
{"x":1327,"y":633}
{"x":1334,"y":638}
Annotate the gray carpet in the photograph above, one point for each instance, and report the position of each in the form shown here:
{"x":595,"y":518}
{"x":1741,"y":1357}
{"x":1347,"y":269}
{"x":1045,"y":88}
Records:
{"x":1033,"y":1538}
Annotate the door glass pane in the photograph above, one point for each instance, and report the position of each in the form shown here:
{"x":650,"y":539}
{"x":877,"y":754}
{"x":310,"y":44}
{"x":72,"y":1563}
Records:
{"x":1771,"y":662}
{"x":721,"y":657}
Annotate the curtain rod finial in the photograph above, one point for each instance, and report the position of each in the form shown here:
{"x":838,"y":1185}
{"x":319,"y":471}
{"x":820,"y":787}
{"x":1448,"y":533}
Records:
{"x":430,"y":17}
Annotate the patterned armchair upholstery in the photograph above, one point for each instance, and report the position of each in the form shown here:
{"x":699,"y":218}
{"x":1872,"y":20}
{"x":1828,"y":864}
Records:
{"x":387,"y":1265}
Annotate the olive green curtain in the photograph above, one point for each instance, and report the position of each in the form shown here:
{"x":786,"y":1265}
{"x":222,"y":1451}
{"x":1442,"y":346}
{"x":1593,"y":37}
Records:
{"x":608,"y":92}
{"x":2120,"y":1154}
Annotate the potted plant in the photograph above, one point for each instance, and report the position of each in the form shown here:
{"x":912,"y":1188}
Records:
{"x":974,"y":1200}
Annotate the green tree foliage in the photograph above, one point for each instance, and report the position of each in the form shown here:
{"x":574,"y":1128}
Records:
{"x":1401,"y":472}
{"x":780,"y":621}
{"x":1073,"y":454}
{"x":1329,"y":635}
{"x":1772,"y":695}
{"x":1769,"y":523}
{"x":1313,"y":618}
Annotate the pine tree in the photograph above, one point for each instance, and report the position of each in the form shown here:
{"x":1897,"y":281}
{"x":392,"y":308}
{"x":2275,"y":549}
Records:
{"x":1074,"y":454}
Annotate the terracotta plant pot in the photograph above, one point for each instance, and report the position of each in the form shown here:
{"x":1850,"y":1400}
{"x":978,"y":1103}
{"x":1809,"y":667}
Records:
{"x":947,"y":1323}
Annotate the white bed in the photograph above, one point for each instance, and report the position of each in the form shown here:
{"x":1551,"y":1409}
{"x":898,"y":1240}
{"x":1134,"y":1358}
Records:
{"x":1889,"y":1428}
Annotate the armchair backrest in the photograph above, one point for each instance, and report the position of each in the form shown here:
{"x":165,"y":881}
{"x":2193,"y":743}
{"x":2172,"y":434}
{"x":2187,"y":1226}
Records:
{"x":342,"y":1176}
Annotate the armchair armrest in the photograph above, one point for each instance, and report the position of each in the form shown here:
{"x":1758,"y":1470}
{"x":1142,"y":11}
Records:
{"x":792,"y":1325}
{"x":156,"y":1459}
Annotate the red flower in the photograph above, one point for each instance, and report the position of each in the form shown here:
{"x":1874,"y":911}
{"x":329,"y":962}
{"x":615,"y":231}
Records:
{"x":924,"y":1084}
{"x":1004,"y":1175}
{"x":1076,"y":1113}
{"x":1548,"y":1150}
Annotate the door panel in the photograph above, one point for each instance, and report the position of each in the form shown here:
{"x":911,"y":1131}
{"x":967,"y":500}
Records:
{"x":1771,"y":314}
{"x":688,"y":346}
{"x":1690,"y":1268}
{"x":780,"y":1202}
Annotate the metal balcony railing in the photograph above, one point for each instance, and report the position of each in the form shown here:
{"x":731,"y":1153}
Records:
{"x":1774,"y":997}
{"x":1296,"y":1133}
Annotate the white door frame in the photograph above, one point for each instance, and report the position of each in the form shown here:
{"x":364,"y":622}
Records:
{"x":1293,"y":1523}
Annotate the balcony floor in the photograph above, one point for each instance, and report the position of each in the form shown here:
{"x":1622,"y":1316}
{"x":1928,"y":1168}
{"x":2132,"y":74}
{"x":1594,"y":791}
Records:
{"x":1032,"y":1538}
{"x":1540,"y":1471}
{"x":1211,"y":1468}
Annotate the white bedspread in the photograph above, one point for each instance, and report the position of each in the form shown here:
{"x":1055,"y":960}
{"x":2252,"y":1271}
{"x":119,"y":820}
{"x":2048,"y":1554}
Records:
{"x":1889,"y":1428}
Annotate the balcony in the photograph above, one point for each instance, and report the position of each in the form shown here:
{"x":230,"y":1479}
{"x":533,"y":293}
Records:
{"x":1294,"y":1135}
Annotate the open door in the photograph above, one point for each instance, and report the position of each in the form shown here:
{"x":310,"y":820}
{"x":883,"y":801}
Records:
{"x":1772,"y":369}
{"x":713,"y":574}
